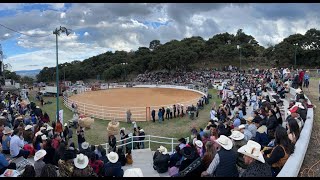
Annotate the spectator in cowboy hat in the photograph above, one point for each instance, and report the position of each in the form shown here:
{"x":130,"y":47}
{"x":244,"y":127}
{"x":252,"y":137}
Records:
{"x":6,"y":140}
{"x":38,"y":161}
{"x":224,"y":162}
{"x":141,"y":133}
{"x":113,"y":167}
{"x":190,"y":156}
{"x":82,"y":168}
{"x":238,"y":140}
{"x":251,"y":126}
{"x":253,"y":158}
{"x":133,"y":172}
{"x":85,"y":149}
{"x":161,"y":160}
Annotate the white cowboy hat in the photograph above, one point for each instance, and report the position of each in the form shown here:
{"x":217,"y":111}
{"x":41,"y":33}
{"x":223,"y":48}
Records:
{"x":198,"y":143}
{"x":28,"y":127}
{"x":242,"y":126}
{"x":299,"y":104}
{"x":44,"y":137}
{"x":37,"y":107}
{"x":215,"y":119}
{"x":81,"y":161}
{"x":65,"y":124}
{"x":252,"y":149}
{"x":85,"y":145}
{"x":263,"y":100}
{"x":253,"y":93}
{"x":42,"y":128}
{"x":163,"y":150}
{"x":113,"y":157}
{"x":5,"y":111}
{"x":7,"y":130}
{"x":225,"y":142}
{"x":38,"y":133}
{"x":39,"y":154}
{"x":298,"y":90}
{"x":123,"y":129}
{"x":141,"y":130}
{"x":133,"y":172}
{"x":49,"y":128}
{"x":237,"y":135}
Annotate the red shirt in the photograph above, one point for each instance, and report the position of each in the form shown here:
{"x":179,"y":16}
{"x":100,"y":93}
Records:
{"x":55,"y":143}
{"x":58,"y":128}
{"x":97,"y":165}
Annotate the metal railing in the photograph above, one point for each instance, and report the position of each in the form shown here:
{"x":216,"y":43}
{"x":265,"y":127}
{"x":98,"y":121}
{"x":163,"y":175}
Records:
{"x":123,"y":142}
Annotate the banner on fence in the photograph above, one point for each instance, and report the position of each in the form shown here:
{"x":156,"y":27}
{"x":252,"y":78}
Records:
{"x":61,"y":116}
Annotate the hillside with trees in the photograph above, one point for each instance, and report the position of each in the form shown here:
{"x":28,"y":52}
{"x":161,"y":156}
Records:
{"x":187,"y":54}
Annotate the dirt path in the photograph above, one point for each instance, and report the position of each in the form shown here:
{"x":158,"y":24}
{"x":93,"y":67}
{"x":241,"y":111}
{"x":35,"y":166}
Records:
{"x":311,"y":164}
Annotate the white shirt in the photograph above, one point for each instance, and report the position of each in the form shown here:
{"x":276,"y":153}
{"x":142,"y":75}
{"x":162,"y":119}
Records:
{"x":214,"y":164}
{"x":15,"y":145}
{"x":212,"y":114}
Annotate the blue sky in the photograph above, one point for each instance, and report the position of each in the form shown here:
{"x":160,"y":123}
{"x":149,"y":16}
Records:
{"x":98,"y":28}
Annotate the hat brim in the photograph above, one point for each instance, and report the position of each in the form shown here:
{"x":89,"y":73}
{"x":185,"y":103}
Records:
{"x":11,"y":131}
{"x":81,"y":166}
{"x":259,"y":158}
{"x":36,"y":158}
{"x":237,"y":138}
{"x":227,"y":146}
{"x":112,"y":160}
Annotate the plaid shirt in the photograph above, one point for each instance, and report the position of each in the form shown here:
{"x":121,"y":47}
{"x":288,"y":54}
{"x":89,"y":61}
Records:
{"x":96,"y":165}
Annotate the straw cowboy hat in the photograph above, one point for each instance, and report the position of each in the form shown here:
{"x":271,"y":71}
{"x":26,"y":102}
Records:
{"x":133,"y":172}
{"x":237,"y":135}
{"x":81,"y":161}
{"x":249,"y":119}
{"x":198,"y":143}
{"x":7,"y":130}
{"x":19,"y":117}
{"x":39,"y":154}
{"x":113,"y":157}
{"x":28,"y":127}
{"x":85,"y":145}
{"x":252,"y":149}
{"x":44,"y":137}
{"x":141,"y":130}
{"x":163,"y":150}
{"x":225,"y":142}
{"x":298,"y":91}
{"x":65,"y":124}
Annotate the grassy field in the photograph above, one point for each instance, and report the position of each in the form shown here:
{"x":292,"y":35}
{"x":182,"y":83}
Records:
{"x":175,"y":128}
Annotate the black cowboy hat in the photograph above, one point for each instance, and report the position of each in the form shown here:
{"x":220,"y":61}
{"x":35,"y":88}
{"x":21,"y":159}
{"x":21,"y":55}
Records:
{"x":188,"y":152}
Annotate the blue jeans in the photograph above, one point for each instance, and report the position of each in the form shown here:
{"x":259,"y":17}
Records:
{"x":141,"y":145}
{"x":160,"y":119}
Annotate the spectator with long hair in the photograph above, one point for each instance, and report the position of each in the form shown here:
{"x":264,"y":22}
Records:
{"x":209,"y":154}
{"x":49,"y":170}
{"x":28,"y":171}
{"x":293,"y":130}
{"x":278,"y":155}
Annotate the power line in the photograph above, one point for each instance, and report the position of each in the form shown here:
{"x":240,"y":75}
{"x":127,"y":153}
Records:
{"x":23,"y":33}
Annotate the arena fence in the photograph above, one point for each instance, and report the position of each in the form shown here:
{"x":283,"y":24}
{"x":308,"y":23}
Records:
{"x":293,"y":164}
{"x":149,"y":139}
{"x":119,"y":113}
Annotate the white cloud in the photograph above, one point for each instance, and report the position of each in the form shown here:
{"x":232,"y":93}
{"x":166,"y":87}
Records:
{"x":120,"y":26}
{"x":63,"y":15}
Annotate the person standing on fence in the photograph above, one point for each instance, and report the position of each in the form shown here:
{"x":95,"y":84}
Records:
{"x":153,"y":114}
{"x":129,"y":116}
{"x":160,"y":115}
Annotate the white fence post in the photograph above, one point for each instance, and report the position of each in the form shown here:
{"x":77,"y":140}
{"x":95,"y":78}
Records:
{"x":149,"y":141}
{"x":172,"y":145}
{"x":132,"y":142}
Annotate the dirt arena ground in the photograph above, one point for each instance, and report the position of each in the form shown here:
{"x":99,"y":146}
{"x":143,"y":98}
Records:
{"x":136,"y":97}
